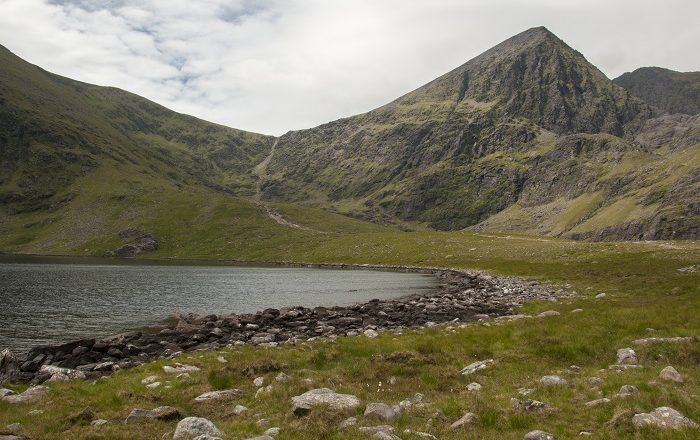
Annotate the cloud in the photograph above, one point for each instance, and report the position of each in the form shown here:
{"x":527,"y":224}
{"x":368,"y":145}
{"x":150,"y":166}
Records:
{"x":276,"y":65}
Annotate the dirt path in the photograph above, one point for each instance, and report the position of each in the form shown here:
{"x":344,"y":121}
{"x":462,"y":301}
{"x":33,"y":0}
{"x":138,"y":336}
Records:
{"x":260,"y":170}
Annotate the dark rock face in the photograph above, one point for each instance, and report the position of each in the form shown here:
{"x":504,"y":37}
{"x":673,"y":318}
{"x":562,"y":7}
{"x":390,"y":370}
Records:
{"x":669,"y":91}
{"x":461,"y":297}
{"x":141,"y":241}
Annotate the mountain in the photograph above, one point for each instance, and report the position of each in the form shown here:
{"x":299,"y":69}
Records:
{"x":670,"y":91}
{"x":79,"y":163}
{"x":526,"y":137}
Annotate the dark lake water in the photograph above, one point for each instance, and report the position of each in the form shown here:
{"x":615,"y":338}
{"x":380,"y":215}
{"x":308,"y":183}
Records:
{"x":49,"y":301}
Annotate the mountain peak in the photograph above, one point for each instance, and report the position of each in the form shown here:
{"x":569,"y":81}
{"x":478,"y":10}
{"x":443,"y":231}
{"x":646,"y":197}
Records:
{"x":537,"y":76}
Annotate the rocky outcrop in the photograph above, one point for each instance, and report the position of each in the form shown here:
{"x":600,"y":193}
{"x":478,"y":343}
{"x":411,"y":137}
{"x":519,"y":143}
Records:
{"x":140,"y":242}
{"x":663,"y":417}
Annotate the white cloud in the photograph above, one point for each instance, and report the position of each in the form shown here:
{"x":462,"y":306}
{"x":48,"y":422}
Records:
{"x":275,"y":65}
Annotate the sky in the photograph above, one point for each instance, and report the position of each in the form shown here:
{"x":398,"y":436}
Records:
{"x":271,"y":66}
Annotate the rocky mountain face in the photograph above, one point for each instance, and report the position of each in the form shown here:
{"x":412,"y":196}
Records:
{"x":526,"y":137}
{"x":54,"y":130}
{"x":669,"y":91}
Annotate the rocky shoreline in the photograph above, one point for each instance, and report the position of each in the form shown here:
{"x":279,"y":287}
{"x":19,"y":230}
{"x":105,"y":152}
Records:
{"x":461,"y":296}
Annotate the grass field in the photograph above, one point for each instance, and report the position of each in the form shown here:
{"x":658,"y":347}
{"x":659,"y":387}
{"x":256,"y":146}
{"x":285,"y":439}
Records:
{"x":644,"y":290}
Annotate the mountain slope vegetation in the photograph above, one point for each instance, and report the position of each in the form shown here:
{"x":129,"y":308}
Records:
{"x":528,"y":136}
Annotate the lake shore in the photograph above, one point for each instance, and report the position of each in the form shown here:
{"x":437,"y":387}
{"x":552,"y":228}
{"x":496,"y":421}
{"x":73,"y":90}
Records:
{"x":462,"y":296}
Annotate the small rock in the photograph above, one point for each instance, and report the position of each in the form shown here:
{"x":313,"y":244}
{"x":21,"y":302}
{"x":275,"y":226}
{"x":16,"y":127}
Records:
{"x":259,"y":381}
{"x":371,"y":333}
{"x":548,"y":313}
{"x":84,"y":416}
{"x":476,"y":366}
{"x":303,"y":403}
{"x":216,"y":395}
{"x":626,"y":356}
{"x":191,"y":427}
{"x":238,"y":410}
{"x":525,"y":391}
{"x":385,"y":436}
{"x":98,"y":422}
{"x":594,"y":381}
{"x":263,"y":390}
{"x":5,"y":392}
{"x":474,"y":386}
{"x":627,"y":390}
{"x":674,"y":340}
{"x":221,"y":359}
{"x":382,"y":411}
{"x":598,"y":402}
{"x":281,"y":378}
{"x":263,"y":422}
{"x":350,"y":421}
{"x":59,"y":374}
{"x":30,"y":395}
{"x":669,"y":373}
{"x":466,"y":419}
{"x":600,"y":296}
{"x":663,"y":417}
{"x":149,"y":379}
{"x":272,"y":432}
{"x":577,"y":311}
{"x":14,"y":427}
{"x":180,"y":368}
{"x":165,"y":413}
{"x":553,"y":380}
{"x":375,"y":429}
{"x":539,"y":435}
{"x":531,"y":405}
{"x":153,"y":385}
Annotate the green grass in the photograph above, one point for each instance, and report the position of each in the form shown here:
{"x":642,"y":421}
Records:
{"x":644,"y":290}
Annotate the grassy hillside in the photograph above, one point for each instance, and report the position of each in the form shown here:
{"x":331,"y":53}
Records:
{"x":646,"y":296}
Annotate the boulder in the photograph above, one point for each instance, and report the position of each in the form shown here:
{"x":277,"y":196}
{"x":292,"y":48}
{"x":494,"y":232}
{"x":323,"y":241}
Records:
{"x":165,"y":413}
{"x":663,"y":417}
{"x":626,"y":356}
{"x":303,"y":403}
{"x":627,"y":390}
{"x":466,"y":419}
{"x":371,"y":333}
{"x":216,"y":395}
{"x":59,"y":374}
{"x":9,"y":367}
{"x":531,"y":405}
{"x":553,"y":381}
{"x":382,"y":411}
{"x":539,"y":435}
{"x":476,"y":366}
{"x":548,"y":313}
{"x":179,"y":368}
{"x":30,"y":395}
{"x":190,"y":428}
{"x":670,"y":374}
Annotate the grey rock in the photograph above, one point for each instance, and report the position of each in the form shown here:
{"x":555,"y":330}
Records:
{"x":98,"y":422}
{"x":548,"y":313}
{"x":597,"y":402}
{"x":9,"y":367}
{"x":671,"y":340}
{"x":382,"y":435}
{"x":180,"y":368}
{"x":303,"y":403}
{"x":216,"y":395}
{"x":272,"y":432}
{"x":30,"y":395}
{"x":375,"y":429}
{"x":466,"y":419}
{"x":553,"y":380}
{"x":165,"y":413}
{"x":663,"y":417}
{"x":350,"y":421}
{"x":626,"y":356}
{"x":531,"y":405}
{"x":261,"y":437}
{"x":5,"y":392}
{"x":382,"y":411}
{"x":14,"y":427}
{"x":238,"y":410}
{"x":474,"y":386}
{"x":259,"y":381}
{"x":670,"y":374}
{"x":539,"y":435}
{"x":282,"y":378}
{"x":594,"y":381}
{"x":476,"y":366}
{"x":191,"y":427}
{"x":627,"y":390}
{"x":371,"y":333}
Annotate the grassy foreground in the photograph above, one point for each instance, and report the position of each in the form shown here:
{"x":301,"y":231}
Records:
{"x":644,"y":290}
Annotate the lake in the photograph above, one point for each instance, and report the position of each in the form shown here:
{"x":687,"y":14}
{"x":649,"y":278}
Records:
{"x":54,"y":300}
